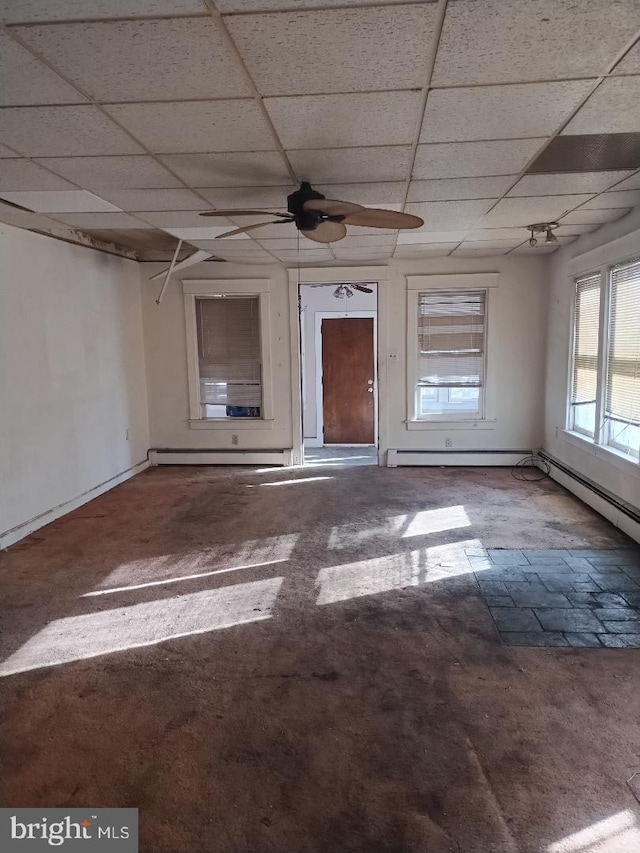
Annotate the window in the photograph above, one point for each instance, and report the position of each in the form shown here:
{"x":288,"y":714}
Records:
{"x":622,"y":384}
{"x":229,"y":357}
{"x":605,"y":388}
{"x":585,"y":355}
{"x":450,"y":356}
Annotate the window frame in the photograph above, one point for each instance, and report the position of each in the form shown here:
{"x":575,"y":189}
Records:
{"x":451,"y":283}
{"x":218,"y":289}
{"x":601,"y":438}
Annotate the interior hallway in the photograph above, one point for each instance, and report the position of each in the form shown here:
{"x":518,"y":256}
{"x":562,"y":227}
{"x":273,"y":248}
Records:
{"x":333,"y":679}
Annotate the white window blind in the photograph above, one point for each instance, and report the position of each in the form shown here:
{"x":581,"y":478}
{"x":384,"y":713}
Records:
{"x":229,"y":351}
{"x":586,"y":337}
{"x":623,"y":363}
{"x":451,"y":340}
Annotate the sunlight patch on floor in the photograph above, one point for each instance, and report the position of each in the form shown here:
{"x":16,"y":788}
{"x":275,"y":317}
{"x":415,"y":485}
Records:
{"x":412,"y":524}
{"x":411,"y":568}
{"x":232,"y":555}
{"x":92,"y":634}
{"x":616,"y":834}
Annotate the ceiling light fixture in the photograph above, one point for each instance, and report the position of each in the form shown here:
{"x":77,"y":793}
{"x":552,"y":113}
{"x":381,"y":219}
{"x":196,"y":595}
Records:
{"x":545,"y":228}
{"x":343,"y":291}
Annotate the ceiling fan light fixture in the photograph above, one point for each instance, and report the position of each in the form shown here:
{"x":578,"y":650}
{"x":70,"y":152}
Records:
{"x":343,"y":292}
{"x":541,"y":228}
{"x":551,"y":237}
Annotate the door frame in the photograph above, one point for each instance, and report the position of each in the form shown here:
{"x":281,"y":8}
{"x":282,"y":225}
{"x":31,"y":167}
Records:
{"x":381,"y":274}
{"x":340,"y":315}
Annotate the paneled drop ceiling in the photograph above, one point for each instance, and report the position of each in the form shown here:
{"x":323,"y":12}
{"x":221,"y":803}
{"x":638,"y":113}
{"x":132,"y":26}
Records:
{"x":123,"y":119}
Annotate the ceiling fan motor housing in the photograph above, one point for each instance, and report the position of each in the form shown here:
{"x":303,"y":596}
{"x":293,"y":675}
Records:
{"x":307,"y":220}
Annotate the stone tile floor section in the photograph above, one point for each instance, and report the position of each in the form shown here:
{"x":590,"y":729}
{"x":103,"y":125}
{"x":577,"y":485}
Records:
{"x":580,"y":598}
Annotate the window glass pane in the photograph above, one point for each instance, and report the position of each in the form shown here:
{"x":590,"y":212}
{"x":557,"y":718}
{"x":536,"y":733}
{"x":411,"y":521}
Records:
{"x":622,"y":410}
{"x":229,"y":357}
{"x":585,"y":354}
{"x":451,"y":344}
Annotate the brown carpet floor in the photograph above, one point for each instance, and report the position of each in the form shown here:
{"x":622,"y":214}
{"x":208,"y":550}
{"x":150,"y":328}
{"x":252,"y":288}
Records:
{"x":300,"y":661}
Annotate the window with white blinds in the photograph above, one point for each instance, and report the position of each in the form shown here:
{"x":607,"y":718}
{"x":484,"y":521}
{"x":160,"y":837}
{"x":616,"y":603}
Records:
{"x":584,"y":386}
{"x":622,"y":383}
{"x":451,"y":349}
{"x":229,"y":356}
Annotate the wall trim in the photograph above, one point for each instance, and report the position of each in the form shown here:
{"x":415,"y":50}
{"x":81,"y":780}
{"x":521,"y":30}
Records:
{"x":15,"y":534}
{"x":455,"y":458}
{"x":194,"y":456}
{"x":620,"y":513}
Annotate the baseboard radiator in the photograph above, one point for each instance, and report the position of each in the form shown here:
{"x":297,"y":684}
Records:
{"x":462,"y":458}
{"x":183,"y":456}
{"x":614,"y":509}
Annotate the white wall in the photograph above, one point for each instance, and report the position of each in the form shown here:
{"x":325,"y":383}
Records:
{"x":166,"y":359}
{"x":72,"y":376}
{"x":314,"y":300}
{"x":616,"y":241}
{"x":517,"y":370}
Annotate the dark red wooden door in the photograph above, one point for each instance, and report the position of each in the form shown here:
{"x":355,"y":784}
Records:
{"x":347,"y":380}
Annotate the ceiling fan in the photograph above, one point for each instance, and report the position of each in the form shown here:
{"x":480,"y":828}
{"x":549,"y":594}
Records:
{"x":321,"y":219}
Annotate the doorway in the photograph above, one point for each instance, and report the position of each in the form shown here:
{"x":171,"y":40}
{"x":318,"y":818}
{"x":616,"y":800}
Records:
{"x":338,"y":336}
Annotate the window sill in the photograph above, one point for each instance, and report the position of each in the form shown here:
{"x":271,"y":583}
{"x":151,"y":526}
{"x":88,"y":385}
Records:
{"x":600,"y":451}
{"x":232,"y":424}
{"x":451,"y":424}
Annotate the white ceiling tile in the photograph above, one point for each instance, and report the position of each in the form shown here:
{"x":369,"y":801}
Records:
{"x":267,"y":198}
{"x":566,"y":183}
{"x":22,"y":11}
{"x":508,"y":243}
{"x":523,"y":211}
{"x":500,"y":41}
{"x":63,"y":132}
{"x":536,"y":250}
{"x":345,"y":165}
{"x":417,"y":236}
{"x":474,"y":159}
{"x":96,"y":173}
{"x":64,"y":201}
{"x":183,"y":219}
{"x":163,"y":60}
{"x":632,"y":183}
{"x":229,"y":170}
{"x":424,"y":250}
{"x":440,"y":215}
{"x":493,"y":235}
{"x":575,"y":230}
{"x":150,"y":200}
{"x":500,"y":112}
{"x":624,"y":198}
{"x":590,"y":217}
{"x":380,"y":194}
{"x":356,"y":254}
{"x":244,"y":247}
{"x":451,"y":189}
{"x":25,"y":80}
{"x":613,"y":108}
{"x":478,"y":251}
{"x":23,"y":175}
{"x":381,"y":242}
{"x":631,"y":62}
{"x":203,"y":232}
{"x":343,"y":121}
{"x":99,"y":220}
{"x":227,"y":6}
{"x":335,"y":50}
{"x":7,"y":152}
{"x":289,"y":244}
{"x":193,"y":126}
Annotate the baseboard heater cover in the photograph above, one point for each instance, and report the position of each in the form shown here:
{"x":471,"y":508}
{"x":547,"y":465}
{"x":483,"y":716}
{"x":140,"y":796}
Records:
{"x":460,"y":458}
{"x":606,"y":503}
{"x":189,"y":456}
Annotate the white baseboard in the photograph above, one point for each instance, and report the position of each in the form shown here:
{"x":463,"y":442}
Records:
{"x":220,"y":457}
{"x":457,"y":458}
{"x":599,"y":502}
{"x":15,"y":534}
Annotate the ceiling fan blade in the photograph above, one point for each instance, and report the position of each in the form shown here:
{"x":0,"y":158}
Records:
{"x":249,"y":228}
{"x":326,"y":232}
{"x":361,"y":288}
{"x":332,"y":207}
{"x":378,"y":217}
{"x":244,"y":213}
